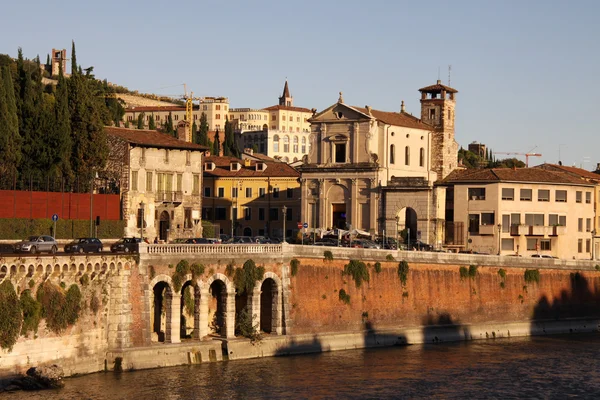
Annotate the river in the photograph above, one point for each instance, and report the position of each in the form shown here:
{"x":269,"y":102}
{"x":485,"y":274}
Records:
{"x":538,"y":367}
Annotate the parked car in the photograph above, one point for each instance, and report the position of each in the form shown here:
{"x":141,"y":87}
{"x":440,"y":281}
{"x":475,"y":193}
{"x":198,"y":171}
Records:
{"x":6,"y":248}
{"x":84,"y":245}
{"x":365,"y":244}
{"x":37,"y":244}
{"x":196,"y":241}
{"x":213,"y":240}
{"x":543,"y":256}
{"x":241,"y":240}
{"x":126,"y":245}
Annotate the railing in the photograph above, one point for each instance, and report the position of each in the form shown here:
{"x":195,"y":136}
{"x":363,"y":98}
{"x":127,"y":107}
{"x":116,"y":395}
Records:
{"x":211,"y":248}
{"x":169,"y":197}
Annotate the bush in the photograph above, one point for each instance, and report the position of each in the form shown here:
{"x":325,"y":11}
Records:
{"x":84,"y":280}
{"x":177,"y":280}
{"x":95,"y":304}
{"x":188,"y":300}
{"x":502,"y":273}
{"x":472,"y":271}
{"x":245,"y":328}
{"x":294,"y":264}
{"x":73,"y":304}
{"x":18,"y":228}
{"x":403,"y":272}
{"x":182,"y":268}
{"x":54,"y":305}
{"x":230,"y":269}
{"x":245,"y":278}
{"x":10,"y":315}
{"x":377,"y":267}
{"x":151,"y":272}
{"x":389,"y":257}
{"x":197,"y":270}
{"x":464,"y":272}
{"x":532,"y":275}
{"x":208,"y":230}
{"x":344,"y":297}
{"x":358,"y":271}
{"x":32,"y":313}
{"x":328,"y":255}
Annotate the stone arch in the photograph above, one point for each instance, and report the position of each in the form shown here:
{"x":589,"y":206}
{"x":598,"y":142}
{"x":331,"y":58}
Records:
{"x":190,"y":319}
{"x":22,"y":269}
{"x":81,"y":268}
{"x":65,"y":268}
{"x":112,"y":266}
{"x":13,"y":269}
{"x":73,"y":268}
{"x":161,"y":309}
{"x":338,"y":197}
{"x":48,"y":269}
{"x":271,"y":304}
{"x":221,"y":305}
{"x":39,"y":269}
{"x":3,"y":271}
{"x":406,"y":221}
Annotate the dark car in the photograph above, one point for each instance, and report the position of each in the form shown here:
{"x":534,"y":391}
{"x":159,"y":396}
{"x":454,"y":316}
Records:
{"x":196,"y":241}
{"x":126,"y":245}
{"x":37,"y":244}
{"x":84,"y":245}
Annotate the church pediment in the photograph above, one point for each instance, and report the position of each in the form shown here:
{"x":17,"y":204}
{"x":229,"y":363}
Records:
{"x":339,"y":112}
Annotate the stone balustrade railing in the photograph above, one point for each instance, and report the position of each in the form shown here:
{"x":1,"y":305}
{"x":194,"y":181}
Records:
{"x":275,"y":249}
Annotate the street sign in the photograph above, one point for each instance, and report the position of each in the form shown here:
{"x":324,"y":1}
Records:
{"x":305,"y":225}
{"x":299,"y":225}
{"x":54,"y":217}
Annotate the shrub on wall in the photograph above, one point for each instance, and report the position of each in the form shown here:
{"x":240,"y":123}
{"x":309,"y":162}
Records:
{"x":19,"y":228}
{"x":245,"y":327}
{"x":464,"y":272}
{"x":403,"y":272}
{"x":245,"y":278}
{"x":73,"y":304}
{"x":344,"y":297}
{"x":294,"y":264}
{"x":188,"y":300}
{"x":532,"y":275}
{"x":389,"y":257}
{"x":10,"y":315}
{"x":358,"y":271}
{"x":377,"y":267}
{"x":197,"y":270}
{"x":32,"y":313}
{"x":472,"y":271}
{"x":94,"y":303}
{"x":54,"y":305}
{"x":328,"y":255}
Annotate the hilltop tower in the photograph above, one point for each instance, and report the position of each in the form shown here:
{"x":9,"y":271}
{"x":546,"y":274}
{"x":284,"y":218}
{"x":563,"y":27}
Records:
{"x":437,"y":109}
{"x":59,"y":57}
{"x":286,"y":99}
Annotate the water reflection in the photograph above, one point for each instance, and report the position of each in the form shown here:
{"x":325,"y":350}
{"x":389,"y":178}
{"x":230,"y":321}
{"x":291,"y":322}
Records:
{"x":543,"y":367}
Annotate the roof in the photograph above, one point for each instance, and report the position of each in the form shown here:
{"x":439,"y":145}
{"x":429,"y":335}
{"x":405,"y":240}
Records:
{"x":260,"y":156}
{"x":274,"y":169}
{"x":496,"y":175}
{"x":148,"y":138}
{"x":398,"y":119}
{"x":438,"y":87}
{"x":286,"y":91}
{"x":156,"y":109}
{"x":288,"y":108}
{"x":571,"y":170}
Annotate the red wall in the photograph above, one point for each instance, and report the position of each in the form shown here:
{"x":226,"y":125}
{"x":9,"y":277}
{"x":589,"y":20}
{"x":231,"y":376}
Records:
{"x":34,"y":205}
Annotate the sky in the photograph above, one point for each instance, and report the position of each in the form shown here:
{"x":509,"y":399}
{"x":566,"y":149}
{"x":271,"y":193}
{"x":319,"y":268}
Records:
{"x":526,"y":71}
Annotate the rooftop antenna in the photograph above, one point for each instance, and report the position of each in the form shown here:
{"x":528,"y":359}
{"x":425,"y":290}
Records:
{"x":438,"y":73}
{"x":559,"y":146}
{"x":449,"y":73}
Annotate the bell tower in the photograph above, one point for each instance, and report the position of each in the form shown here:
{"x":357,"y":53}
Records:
{"x":437,"y":109}
{"x":286,"y":99}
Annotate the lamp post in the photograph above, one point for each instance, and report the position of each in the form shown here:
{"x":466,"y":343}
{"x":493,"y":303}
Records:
{"x":397,"y":229}
{"x":142,"y":220}
{"x":284,"y":210}
{"x":499,"y":238}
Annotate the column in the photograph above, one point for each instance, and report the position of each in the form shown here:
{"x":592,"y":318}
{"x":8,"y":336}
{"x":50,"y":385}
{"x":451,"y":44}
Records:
{"x":174,"y":320}
{"x":203,"y":320}
{"x":230,"y":314}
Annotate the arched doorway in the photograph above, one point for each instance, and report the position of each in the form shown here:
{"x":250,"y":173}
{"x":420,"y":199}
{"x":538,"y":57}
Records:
{"x":247,"y":231}
{"x":161,"y":324}
{"x":406,"y":223}
{"x":190,"y":311}
{"x":268,"y":305}
{"x":217,"y":307}
{"x":165,"y":220}
{"x":337,"y":197}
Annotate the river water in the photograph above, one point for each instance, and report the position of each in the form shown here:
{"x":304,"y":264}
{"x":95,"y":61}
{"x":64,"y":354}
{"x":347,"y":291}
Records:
{"x":540,"y":367}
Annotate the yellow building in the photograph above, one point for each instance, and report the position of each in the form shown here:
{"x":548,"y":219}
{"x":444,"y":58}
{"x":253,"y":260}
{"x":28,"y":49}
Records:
{"x":248,"y":197}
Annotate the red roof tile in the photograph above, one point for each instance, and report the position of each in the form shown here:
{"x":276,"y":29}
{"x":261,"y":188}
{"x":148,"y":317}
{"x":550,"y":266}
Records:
{"x":571,"y":170}
{"x":438,"y":87}
{"x":274,"y":169}
{"x":398,"y":119}
{"x":532,"y":175}
{"x":149,"y":138}
{"x":288,"y":108}
{"x":156,"y":108}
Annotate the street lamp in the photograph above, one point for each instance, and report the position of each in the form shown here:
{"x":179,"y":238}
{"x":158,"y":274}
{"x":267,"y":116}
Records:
{"x":142,"y":220}
{"x":499,"y":237}
{"x":284,"y":210}
{"x":397,"y":229}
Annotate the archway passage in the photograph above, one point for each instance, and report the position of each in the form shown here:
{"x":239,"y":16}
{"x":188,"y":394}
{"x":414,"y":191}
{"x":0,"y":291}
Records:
{"x":164,"y":226}
{"x":339,"y":216}
{"x":243,"y":313}
{"x":268,"y":305}
{"x":406,"y":220}
{"x":161,"y":325}
{"x":190,"y":311}
{"x":217,"y":307}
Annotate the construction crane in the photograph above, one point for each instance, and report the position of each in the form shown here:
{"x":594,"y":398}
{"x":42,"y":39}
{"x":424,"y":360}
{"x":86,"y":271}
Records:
{"x":189,"y":107}
{"x":527,"y":155}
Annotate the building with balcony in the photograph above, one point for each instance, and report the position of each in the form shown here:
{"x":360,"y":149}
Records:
{"x":246,"y":197}
{"x":525,"y":211}
{"x":160,"y":179}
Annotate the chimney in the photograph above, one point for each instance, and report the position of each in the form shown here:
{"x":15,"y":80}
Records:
{"x":249,"y":151}
{"x":598,"y":166}
{"x":402,"y":107}
{"x":182,"y":131}
{"x":439,"y":82}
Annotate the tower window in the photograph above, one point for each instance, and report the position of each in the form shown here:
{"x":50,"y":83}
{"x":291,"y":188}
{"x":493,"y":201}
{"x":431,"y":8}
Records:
{"x":407,"y":155}
{"x":422,"y":157}
{"x":340,"y":152}
{"x":392,"y":154}
{"x":432,"y":114}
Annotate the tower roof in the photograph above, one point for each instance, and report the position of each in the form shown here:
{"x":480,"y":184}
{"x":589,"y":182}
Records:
{"x":437,"y":88}
{"x":286,"y":90}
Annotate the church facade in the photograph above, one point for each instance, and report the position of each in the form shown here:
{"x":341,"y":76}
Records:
{"x":374,"y":170}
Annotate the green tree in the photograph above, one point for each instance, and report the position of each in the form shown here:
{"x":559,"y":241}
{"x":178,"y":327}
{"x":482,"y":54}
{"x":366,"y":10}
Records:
{"x":230,"y":144}
{"x":168,"y":127}
{"x":195,"y":133}
{"x":10,"y":140}
{"x":151,"y":123}
{"x":203,"y":131}
{"x":140,"y":121}
{"x":216,"y":144}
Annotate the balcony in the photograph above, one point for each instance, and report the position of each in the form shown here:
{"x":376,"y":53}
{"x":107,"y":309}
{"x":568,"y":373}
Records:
{"x":557,"y":230}
{"x":169,"y":197}
{"x":487,"y":229}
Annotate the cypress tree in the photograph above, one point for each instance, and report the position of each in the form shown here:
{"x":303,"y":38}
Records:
{"x":203,"y":134}
{"x":73,"y":59}
{"x":10,"y":141}
{"x":216,"y":145}
{"x":151,"y":123}
{"x":195,"y":133}
{"x":168,"y":128}
{"x":140,"y":121}
{"x":228,"y":143}
{"x":62,"y":133}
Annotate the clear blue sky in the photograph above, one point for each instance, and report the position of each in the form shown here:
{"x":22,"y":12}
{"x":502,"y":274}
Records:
{"x":526,"y":71}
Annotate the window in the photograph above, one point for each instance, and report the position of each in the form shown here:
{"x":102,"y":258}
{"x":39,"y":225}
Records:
{"x":218,"y":107}
{"x":476,"y":193}
{"x":543,"y":195}
{"x":261,"y":192}
{"x":508,"y":244}
{"x":474,"y":224}
{"x":179,"y":183}
{"x":274,"y":214}
{"x":580,"y":245}
{"x":286,"y":144}
{"x":248,"y":193}
{"x":588,"y":224}
{"x":407,"y":155}
{"x":303,"y":145}
{"x":532,"y":244}
{"x":487,"y":218}
{"x":588,"y":197}
{"x":134,"y":180}
{"x":275,"y":193}
{"x":431,"y":113}
{"x":515,"y":219}
{"x":207,"y":191}
{"x":247,"y":213}
{"x":289,"y":214}
{"x":295,"y":146}
{"x":176,"y":117}
{"x":580,"y":225}
{"x":234,"y":192}
{"x":283,"y":117}
{"x":506,"y":223}
{"x":148,"y":181}
{"x":290,"y":193}
{"x":525,"y":194}
{"x":555,"y":220}
{"x":587,"y":245}
{"x":545,"y":245}
{"x":392,"y":154}
{"x":206,"y":214}
{"x":578,"y":197}
{"x":276,"y":143}
{"x":187,"y":220}
{"x":534,"y":219}
{"x":340,"y":152}
{"x":273,"y":117}
{"x":220,"y":213}
{"x":508,"y":194}
{"x":140,"y":215}
{"x":196,"y":185}
{"x":422,"y":157}
{"x":560,"y":196}
{"x":261,"y":214}
{"x":220,"y":192}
